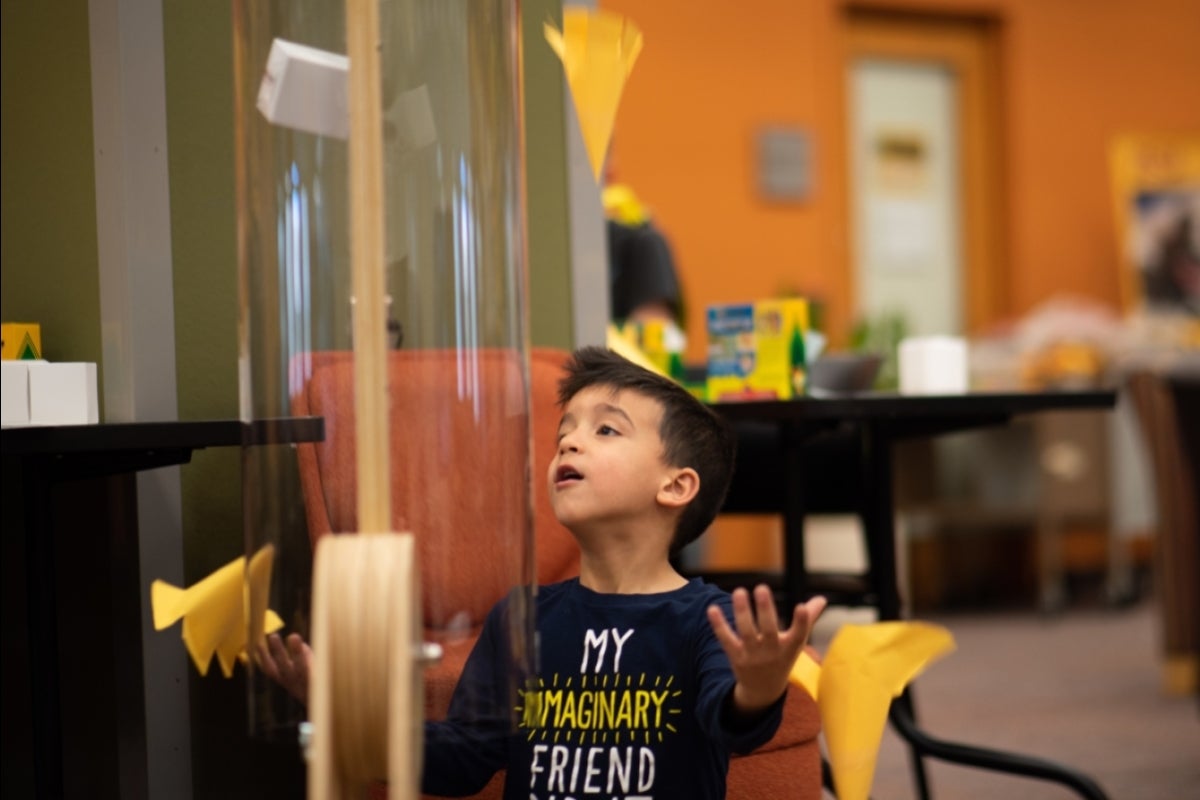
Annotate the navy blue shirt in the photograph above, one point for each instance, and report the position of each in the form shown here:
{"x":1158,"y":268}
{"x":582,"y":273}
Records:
{"x":628,"y":703}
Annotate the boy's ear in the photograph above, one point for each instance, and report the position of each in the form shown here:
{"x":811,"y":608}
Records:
{"x":680,"y":486}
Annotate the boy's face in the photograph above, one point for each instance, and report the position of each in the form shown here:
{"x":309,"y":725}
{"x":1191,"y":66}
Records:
{"x":608,"y":464}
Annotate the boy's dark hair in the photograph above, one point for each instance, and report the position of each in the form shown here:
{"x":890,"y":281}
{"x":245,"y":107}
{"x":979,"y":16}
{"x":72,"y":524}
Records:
{"x":693,"y":435}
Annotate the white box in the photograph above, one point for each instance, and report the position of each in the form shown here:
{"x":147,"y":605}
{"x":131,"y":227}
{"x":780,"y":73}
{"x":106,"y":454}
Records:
{"x":933,"y":365}
{"x":14,"y":385}
{"x":305,"y":88}
{"x":63,"y":394}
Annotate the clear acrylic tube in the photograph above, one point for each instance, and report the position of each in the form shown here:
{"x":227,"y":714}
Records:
{"x":457,"y":368}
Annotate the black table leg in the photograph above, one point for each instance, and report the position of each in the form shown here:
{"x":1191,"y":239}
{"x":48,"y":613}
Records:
{"x":904,"y":704}
{"x":878,"y":524}
{"x":795,"y":570}
{"x":879,"y":530}
{"x":43,"y":628}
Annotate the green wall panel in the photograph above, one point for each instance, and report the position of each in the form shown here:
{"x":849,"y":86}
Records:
{"x":550,"y":319}
{"x":48,"y":255}
{"x":198,"y":50}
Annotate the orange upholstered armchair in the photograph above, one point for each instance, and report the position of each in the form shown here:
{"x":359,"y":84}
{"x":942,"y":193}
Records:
{"x":427,"y":415}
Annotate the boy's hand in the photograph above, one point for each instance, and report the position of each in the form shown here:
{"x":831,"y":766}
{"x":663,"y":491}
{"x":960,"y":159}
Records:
{"x":286,"y":665}
{"x":760,"y":654}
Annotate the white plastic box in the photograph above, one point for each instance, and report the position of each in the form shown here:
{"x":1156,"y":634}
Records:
{"x":14,"y":385}
{"x":933,"y":365}
{"x":63,"y":394}
{"x":305,"y":88}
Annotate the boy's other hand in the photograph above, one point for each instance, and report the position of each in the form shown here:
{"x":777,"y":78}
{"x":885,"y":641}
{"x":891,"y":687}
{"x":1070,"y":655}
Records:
{"x":286,"y":664}
{"x":761,"y":654}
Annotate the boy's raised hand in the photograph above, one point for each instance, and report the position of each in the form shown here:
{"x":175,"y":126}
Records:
{"x":288,"y":665}
{"x":761,"y":654}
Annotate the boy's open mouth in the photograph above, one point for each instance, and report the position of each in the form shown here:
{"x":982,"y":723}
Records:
{"x":566,"y":473}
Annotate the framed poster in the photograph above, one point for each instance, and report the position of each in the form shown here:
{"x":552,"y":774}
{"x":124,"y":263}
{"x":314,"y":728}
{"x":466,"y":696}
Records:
{"x":1156,"y":190}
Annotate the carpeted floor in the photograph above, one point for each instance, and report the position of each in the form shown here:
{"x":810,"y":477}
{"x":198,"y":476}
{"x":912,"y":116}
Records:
{"x":1082,"y":689}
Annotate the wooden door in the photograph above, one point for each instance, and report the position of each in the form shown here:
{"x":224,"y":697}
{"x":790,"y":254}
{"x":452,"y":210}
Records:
{"x":898,"y":168}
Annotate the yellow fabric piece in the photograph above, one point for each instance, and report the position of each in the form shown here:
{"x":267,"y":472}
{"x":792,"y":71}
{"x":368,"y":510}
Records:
{"x":620,"y":344}
{"x":865,"y":667}
{"x":622,"y":205}
{"x":806,"y":673}
{"x":598,"y":50}
{"x":214,"y":619}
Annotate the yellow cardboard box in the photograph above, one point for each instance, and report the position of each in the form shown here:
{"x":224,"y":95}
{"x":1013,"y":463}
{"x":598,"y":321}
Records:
{"x":22,"y":341}
{"x":756,"y":350}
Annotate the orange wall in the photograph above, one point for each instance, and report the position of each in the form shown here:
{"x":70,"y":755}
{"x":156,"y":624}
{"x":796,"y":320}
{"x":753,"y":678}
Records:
{"x":1073,"y":75}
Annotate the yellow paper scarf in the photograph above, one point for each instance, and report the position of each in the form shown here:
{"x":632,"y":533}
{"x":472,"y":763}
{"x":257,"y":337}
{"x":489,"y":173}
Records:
{"x":214,"y":610}
{"x":598,"y":50}
{"x":865,"y":667}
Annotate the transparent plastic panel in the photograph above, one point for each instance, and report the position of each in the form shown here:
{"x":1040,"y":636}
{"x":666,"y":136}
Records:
{"x":457,"y":366}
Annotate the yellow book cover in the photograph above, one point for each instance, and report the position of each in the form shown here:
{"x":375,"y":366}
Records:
{"x":22,"y":341}
{"x":757,"y":350}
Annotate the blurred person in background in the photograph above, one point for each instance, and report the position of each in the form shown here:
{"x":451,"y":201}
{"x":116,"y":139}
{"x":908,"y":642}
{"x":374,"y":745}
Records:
{"x":643,"y":282}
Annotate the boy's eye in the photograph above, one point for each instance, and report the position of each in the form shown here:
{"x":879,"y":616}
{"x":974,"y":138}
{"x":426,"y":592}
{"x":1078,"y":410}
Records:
{"x":607,"y":430}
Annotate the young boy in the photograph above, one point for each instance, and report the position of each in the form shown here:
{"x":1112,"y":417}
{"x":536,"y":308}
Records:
{"x":644,"y":686}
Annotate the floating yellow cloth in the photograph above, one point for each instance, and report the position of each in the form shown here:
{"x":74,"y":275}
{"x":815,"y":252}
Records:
{"x":865,"y":667}
{"x":214,"y":619}
{"x":623,"y":346}
{"x":598,"y":50}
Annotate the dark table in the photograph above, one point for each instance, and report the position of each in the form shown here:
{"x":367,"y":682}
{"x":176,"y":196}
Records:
{"x":73,"y":703}
{"x":859,"y":432}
